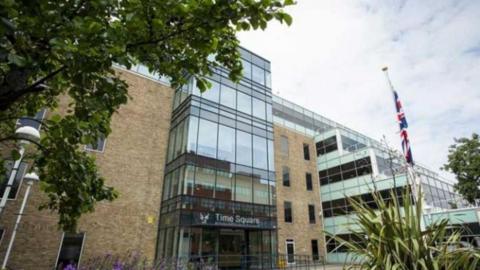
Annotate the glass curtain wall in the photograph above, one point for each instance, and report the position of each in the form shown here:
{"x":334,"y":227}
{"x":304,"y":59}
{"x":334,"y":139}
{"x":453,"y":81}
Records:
{"x":220,"y":159}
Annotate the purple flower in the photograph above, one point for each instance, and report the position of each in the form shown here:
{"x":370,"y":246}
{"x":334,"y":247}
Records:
{"x":117,"y":266}
{"x":70,"y":267}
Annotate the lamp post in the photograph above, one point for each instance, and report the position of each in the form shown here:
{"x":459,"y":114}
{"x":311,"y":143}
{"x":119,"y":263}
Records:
{"x":29,"y":178}
{"x":25,"y":134}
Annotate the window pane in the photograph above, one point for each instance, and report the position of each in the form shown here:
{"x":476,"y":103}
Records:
{"x":308,"y":180}
{"x":269,"y":113}
{"x":71,"y":250}
{"x":244,"y":103}
{"x":247,"y":69}
{"x":226,"y":143}
{"x":204,"y":182}
{"x":259,"y":108}
{"x":260,"y":189}
{"x":166,"y":186}
{"x":243,"y":188}
{"x":228,"y":97}
{"x":244,"y":148}
{"x":192,"y":134}
{"x":271,"y":157}
{"x":306,"y":151}
{"x":224,"y":187}
{"x":287,"y":206}
{"x":315,"y":255}
{"x":31,"y":120}
{"x":212,"y":94}
{"x":290,"y":252}
{"x":8,"y":165}
{"x":174,"y":186}
{"x":189,"y":180}
{"x":273,"y":196}
{"x":179,"y":140}
{"x":99,"y":145}
{"x":260,"y":152}
{"x":268,"y":79}
{"x":311,"y":213}
{"x":258,"y":75}
{"x":286,"y":176}
{"x":171,"y":144}
{"x":207,"y":138}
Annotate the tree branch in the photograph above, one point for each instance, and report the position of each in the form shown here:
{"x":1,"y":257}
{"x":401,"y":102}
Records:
{"x":9,"y":98}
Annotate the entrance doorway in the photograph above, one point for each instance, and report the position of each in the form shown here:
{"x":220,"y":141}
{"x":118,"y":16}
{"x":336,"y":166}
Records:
{"x":232,"y":249}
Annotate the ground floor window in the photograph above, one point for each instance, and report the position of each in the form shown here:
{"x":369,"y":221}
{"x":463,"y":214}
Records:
{"x":70,"y":250}
{"x":290,"y":251}
{"x":228,"y":248}
{"x":315,"y":255}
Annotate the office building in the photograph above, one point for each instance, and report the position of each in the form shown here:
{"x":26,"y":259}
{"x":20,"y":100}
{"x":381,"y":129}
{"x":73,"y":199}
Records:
{"x":232,"y":174}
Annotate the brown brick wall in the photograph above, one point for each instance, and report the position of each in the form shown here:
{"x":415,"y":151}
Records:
{"x":133,"y":162}
{"x":301,"y":231}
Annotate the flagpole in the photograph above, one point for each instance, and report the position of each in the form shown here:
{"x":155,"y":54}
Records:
{"x":409,"y":166}
{"x":385,"y":71}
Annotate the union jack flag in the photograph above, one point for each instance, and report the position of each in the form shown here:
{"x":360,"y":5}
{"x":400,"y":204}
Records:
{"x":402,"y":122}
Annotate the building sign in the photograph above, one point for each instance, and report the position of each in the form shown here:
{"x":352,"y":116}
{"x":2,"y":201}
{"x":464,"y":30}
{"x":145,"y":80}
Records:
{"x":210,"y":218}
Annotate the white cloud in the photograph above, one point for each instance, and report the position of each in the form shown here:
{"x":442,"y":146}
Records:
{"x":330,"y":61}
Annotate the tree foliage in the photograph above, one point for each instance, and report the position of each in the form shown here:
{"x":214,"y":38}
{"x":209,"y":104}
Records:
{"x":391,"y":237}
{"x":66,"y":48}
{"x":464,"y":162}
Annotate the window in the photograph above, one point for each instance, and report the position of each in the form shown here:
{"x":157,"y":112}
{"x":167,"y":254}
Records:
{"x":98,"y":146}
{"x":34,"y":121}
{"x":192,"y":135}
{"x":70,"y":250}
{"x":284,"y":145}
{"x":290,"y":244}
{"x":224,"y":186}
{"x":271,"y":157}
{"x":226,"y":143}
{"x":243,"y":187}
{"x":204,"y":182}
{"x":244,"y":148}
{"x":259,"y":108}
{"x":16,"y":182}
{"x":228,"y":97}
{"x":207,"y":138}
{"x":326,"y":146}
{"x":346,"y":171}
{"x":311,"y":213}
{"x":286,"y":176}
{"x":244,"y":103}
{"x":287,"y":206}
{"x":260,"y":190}
{"x":260,"y":156}
{"x":258,"y":75}
{"x":315,"y":255}
{"x":308,"y":180}
{"x":306,"y":151}
{"x":247,"y":69}
{"x":213,"y":93}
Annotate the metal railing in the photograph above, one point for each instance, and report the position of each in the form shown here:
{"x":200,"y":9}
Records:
{"x":244,"y":262}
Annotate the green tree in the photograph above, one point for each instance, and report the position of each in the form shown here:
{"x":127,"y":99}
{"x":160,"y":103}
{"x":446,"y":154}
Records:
{"x":66,"y":48}
{"x":464,"y":162}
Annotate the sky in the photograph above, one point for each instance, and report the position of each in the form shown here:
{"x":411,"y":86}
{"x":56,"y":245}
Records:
{"x":330,"y":59}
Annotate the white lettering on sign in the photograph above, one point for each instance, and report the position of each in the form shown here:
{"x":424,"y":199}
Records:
{"x":237,"y":219}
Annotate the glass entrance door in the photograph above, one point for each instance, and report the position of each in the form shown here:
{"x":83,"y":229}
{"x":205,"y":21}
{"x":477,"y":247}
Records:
{"x":232,"y":251}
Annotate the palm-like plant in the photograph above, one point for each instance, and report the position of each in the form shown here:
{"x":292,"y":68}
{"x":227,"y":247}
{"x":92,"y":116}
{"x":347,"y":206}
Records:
{"x":394,"y":239}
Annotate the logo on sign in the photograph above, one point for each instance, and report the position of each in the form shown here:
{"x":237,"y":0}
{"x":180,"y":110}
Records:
{"x":204,"y":218}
